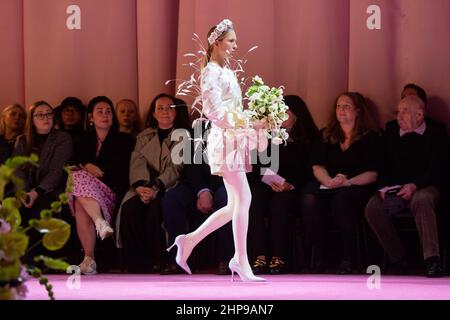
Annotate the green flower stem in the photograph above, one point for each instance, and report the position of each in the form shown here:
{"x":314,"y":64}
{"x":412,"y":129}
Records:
{"x":34,"y":246}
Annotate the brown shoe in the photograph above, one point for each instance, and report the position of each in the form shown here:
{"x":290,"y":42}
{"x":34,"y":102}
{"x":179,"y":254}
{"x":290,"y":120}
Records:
{"x":277,"y":266}
{"x":260,"y":265}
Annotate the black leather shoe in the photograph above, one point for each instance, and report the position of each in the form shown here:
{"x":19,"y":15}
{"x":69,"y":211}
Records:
{"x":317,"y":268}
{"x":345,"y":267}
{"x":259,"y":266}
{"x":435,"y":270}
{"x":277,"y":266}
{"x":223,"y":268}
{"x":170,"y":268}
{"x":399,"y":268}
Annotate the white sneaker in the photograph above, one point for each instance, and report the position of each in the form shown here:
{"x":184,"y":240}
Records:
{"x":88,"y":266}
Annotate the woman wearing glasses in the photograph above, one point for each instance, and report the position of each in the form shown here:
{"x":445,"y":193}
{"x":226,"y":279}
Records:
{"x":54,"y":148}
{"x":43,"y":183}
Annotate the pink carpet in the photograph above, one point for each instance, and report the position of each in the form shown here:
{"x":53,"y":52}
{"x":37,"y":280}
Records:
{"x":212,"y":287}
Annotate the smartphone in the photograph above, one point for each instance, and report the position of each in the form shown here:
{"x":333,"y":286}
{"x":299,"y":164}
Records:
{"x":394,"y":191}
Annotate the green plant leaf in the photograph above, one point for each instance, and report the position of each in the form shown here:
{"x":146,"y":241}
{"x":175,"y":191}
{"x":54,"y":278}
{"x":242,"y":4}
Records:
{"x":16,"y":161}
{"x":3,"y":183}
{"x":56,"y":231}
{"x":10,"y":270}
{"x":63,"y":198}
{"x":5,"y":294}
{"x":34,"y":271}
{"x":56,"y":206}
{"x":13,"y":244}
{"x":46,"y":214}
{"x":56,"y":264}
{"x":10,"y":212}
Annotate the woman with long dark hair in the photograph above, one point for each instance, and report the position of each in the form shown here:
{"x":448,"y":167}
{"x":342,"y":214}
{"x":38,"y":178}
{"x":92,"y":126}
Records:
{"x":345,"y":165}
{"x":100,"y":178}
{"x":277,"y":202}
{"x":42,"y":183}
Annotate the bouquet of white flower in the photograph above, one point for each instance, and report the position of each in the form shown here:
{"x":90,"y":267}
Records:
{"x":267,"y":110}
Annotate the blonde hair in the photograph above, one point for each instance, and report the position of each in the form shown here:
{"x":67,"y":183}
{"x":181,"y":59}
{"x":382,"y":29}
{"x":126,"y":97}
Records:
{"x":5,"y":111}
{"x":137,"y":125}
{"x":210,"y":48}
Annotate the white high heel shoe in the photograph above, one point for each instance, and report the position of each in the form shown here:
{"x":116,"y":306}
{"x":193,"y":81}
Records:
{"x":235,"y":267}
{"x":180,"y":242}
{"x":88,"y":266}
{"x":104,"y":230}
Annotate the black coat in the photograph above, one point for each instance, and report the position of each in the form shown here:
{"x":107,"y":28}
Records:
{"x":5,"y":150}
{"x":362,"y":155}
{"x":113,"y":158}
{"x":55,"y":154}
{"x":292,"y":163}
{"x":414,"y":158}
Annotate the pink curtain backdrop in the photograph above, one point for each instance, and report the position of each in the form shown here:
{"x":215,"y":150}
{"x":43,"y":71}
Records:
{"x":315,"y":48}
{"x":12,"y":86}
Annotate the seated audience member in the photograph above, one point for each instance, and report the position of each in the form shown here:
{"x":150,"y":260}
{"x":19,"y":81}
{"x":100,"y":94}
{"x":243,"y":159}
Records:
{"x":43,"y":183}
{"x":70,"y":117}
{"x":345,"y":166}
{"x":277,"y":202}
{"x":128,"y":116}
{"x":413,"y":89}
{"x":152,"y":173}
{"x":12,"y":122}
{"x":415,"y":160}
{"x":197,"y":196}
{"x":101,"y":178}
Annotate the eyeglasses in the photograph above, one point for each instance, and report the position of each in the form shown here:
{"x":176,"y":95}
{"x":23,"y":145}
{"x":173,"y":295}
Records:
{"x":165,"y":107}
{"x":42,"y":116}
{"x":344,"y":107}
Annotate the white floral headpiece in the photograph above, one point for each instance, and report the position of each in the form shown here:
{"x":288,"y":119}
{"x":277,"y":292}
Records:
{"x":220,"y":28}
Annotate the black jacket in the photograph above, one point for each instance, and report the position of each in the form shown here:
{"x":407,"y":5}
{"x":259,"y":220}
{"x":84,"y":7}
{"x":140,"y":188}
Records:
{"x":113,"y":158}
{"x":5,"y":150}
{"x":49,"y":176}
{"x":414,"y":158}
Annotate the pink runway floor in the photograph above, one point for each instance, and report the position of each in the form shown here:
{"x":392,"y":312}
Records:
{"x":213,"y":287}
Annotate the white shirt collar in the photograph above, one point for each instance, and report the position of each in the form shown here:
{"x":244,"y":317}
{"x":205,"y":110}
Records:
{"x":420,"y":130}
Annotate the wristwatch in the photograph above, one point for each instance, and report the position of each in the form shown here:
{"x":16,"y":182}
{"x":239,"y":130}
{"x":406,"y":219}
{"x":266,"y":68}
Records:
{"x":156,"y":188}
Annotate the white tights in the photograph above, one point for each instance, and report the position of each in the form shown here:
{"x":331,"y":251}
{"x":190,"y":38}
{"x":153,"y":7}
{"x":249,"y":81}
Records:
{"x":237,"y":210}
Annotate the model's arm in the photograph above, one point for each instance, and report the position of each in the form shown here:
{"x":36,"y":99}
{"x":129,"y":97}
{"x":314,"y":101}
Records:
{"x":213,"y":104}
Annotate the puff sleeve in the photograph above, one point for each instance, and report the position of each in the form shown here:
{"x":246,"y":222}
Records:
{"x":213,"y":85}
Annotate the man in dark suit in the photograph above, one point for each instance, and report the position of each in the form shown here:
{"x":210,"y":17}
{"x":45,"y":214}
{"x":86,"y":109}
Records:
{"x":415,"y":158}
